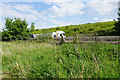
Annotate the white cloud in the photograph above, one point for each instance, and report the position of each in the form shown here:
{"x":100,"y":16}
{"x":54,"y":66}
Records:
{"x":54,"y":23}
{"x":77,"y":0}
{"x":54,"y":10}
{"x":103,"y":8}
{"x":51,"y":16}
{"x":41,"y":25}
{"x":59,"y":23}
{"x":106,"y":20}
{"x":28,"y":12}
{"x":27,"y":9}
{"x":8,"y":11}
{"x":21,"y":11}
{"x":66,"y":8}
{"x":0,"y":9}
{"x":54,"y":1}
{"x":23,"y":7}
{"x":95,"y":18}
{"x":49,"y":1}
{"x":110,"y":0}
{"x":60,"y":8}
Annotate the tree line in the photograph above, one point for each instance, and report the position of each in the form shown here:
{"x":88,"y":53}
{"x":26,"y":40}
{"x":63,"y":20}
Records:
{"x":16,"y":29}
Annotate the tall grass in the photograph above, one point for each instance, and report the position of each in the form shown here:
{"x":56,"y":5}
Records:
{"x":41,"y":60}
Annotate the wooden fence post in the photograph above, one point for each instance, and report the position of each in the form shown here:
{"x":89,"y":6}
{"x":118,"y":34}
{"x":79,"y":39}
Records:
{"x":75,"y":38}
{"x":10,"y":39}
{"x":15,"y":38}
{"x":95,"y":34}
{"x":62,"y":40}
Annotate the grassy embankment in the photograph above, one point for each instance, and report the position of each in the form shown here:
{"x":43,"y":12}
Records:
{"x":40,"y":60}
{"x":101,"y":28}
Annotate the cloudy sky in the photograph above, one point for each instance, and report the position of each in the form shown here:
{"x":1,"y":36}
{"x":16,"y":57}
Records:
{"x":53,"y":13}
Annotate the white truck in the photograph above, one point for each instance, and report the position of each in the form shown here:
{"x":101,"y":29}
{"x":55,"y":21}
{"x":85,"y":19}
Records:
{"x":58,"y":34}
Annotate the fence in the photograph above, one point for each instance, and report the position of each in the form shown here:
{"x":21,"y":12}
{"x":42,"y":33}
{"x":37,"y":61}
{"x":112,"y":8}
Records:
{"x":75,"y":39}
{"x":90,"y":39}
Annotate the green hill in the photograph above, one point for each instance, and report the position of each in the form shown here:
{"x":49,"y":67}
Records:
{"x":101,"y":28}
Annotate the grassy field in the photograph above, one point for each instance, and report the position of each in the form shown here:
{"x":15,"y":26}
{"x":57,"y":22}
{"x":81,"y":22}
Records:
{"x":41,"y":60}
{"x":101,"y":28}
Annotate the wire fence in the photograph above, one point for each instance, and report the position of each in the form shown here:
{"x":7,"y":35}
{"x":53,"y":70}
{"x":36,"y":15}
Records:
{"x":75,"y":39}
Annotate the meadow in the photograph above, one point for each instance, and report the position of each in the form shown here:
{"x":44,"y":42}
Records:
{"x":101,"y":28}
{"x":42,"y":60}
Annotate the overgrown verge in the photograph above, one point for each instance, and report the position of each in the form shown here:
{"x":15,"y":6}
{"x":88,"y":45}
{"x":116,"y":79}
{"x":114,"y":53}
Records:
{"x":41,"y":60}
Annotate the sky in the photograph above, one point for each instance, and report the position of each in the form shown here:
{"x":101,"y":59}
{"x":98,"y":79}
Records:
{"x":53,"y":13}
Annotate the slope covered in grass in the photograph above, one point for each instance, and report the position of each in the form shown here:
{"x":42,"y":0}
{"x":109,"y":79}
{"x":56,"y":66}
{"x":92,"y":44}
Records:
{"x":101,"y":28}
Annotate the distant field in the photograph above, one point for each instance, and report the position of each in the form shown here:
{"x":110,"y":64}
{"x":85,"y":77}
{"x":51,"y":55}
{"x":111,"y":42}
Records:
{"x":101,"y":28}
{"x":41,"y":60}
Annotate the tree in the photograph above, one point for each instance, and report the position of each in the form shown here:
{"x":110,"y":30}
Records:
{"x":32,"y":27}
{"x":119,"y":16}
{"x":16,"y":28}
{"x":117,"y":25}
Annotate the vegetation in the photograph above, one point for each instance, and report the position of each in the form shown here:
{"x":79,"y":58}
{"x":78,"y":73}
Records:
{"x":41,"y":60}
{"x":32,"y":27}
{"x":16,"y":29}
{"x":37,"y":59}
{"x":117,"y":25}
{"x":100,"y":28}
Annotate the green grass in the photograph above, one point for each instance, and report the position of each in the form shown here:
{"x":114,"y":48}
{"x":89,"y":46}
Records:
{"x":41,"y":60}
{"x":101,"y":28}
